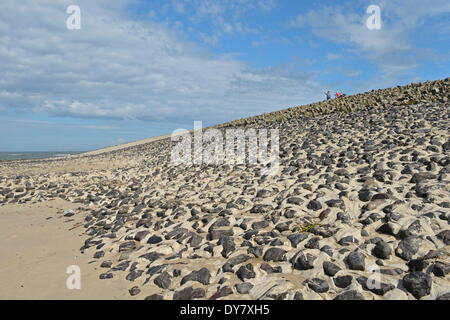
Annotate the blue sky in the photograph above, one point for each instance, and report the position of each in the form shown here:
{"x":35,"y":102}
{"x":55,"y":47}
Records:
{"x":140,"y":68}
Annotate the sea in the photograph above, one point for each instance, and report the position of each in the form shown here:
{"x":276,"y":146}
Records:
{"x":36,"y":155}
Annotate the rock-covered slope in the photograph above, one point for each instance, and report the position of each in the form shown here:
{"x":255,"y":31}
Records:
{"x":359,"y":210}
{"x":414,"y":93}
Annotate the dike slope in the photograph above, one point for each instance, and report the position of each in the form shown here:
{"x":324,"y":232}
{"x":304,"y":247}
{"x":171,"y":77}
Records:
{"x":363,"y":185}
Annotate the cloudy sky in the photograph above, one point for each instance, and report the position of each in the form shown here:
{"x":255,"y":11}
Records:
{"x":140,"y":68}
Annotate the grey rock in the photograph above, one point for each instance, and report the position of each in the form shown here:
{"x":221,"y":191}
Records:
{"x":345,"y":241}
{"x":389,"y":228}
{"x":444,"y":236}
{"x":69,"y":213}
{"x":418,"y":284}
{"x":303,"y":261}
{"x":382,"y":250}
{"x":134,"y":291}
{"x":289,"y":213}
{"x":141,"y":235}
{"x":228,"y":246}
{"x":344,"y":217}
{"x":163,"y":280}
{"x":129,"y":245}
{"x":245,"y":272}
{"x":215,"y":234}
{"x":133,"y":275}
{"x":356,"y":261}
{"x":261,"y":208}
{"x":154,"y":240}
{"x":417,"y":264}
{"x":444,"y":297}
{"x":298,"y":296}
{"x":282,"y":226}
{"x":260,"y":225}
{"x":107,"y":275}
{"x":375,"y":286}
{"x":336,"y":203}
{"x":121,"y":266}
{"x":256,"y":251}
{"x":276,"y":242}
{"x":244,"y":287}
{"x":446,"y":146}
{"x":295,"y":200}
{"x":341,"y":172}
{"x":314,"y":205}
{"x":176,"y":234}
{"x":350,"y":295}
{"x":275,"y":254}
{"x":296,"y":238}
{"x":151,"y":256}
{"x":155,"y":297}
{"x":203,"y":276}
{"x":318,"y":285}
{"x":408,"y":247}
{"x":327,"y":249}
{"x":269,"y":269}
{"x":156,"y":269}
{"x":106,"y":264}
{"x":313,"y":243}
{"x":221,"y":292}
{"x":365,"y":195}
{"x":441,"y":269}
{"x":189,"y":293}
{"x":176,"y":273}
{"x":228,"y":266}
{"x":330,"y":268}
{"x":343,"y":281}
{"x":422,"y":176}
{"x":195,"y":240}
{"x":99,"y":254}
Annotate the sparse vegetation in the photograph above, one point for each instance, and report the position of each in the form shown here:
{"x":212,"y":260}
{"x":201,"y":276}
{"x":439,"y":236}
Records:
{"x":306,"y":228}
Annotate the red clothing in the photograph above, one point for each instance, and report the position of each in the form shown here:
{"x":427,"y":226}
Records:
{"x":338,"y":94}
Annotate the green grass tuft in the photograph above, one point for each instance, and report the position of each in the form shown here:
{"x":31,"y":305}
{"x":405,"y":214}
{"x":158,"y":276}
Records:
{"x":306,"y":228}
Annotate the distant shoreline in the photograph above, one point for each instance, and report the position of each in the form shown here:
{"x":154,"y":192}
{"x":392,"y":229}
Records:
{"x":14,"y":156}
{"x":30,"y":155}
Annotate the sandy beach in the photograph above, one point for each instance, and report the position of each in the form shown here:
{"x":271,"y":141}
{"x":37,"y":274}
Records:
{"x":38,"y":245}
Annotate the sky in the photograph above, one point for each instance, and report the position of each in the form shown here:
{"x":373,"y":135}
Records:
{"x":142,"y":68}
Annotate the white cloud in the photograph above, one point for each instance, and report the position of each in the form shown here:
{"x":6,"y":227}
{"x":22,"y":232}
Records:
{"x":332,"y":56}
{"x":178,"y":6}
{"x":122,"y":69}
{"x":351,"y":73}
{"x":225,"y":17}
{"x":58,"y":124}
{"x":391,"y":47}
